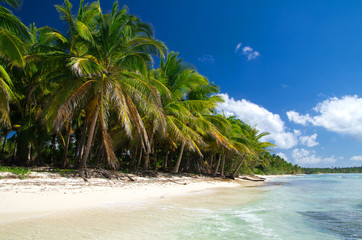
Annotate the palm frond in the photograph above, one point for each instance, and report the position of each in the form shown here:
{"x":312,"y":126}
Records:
{"x":12,"y":3}
{"x":12,"y":47}
{"x":11,"y":23}
{"x":85,"y":66}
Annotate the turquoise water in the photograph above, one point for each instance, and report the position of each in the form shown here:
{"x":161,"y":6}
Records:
{"x":298,"y":207}
{"x":311,"y":207}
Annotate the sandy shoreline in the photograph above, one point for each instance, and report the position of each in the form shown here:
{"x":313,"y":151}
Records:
{"x":46,"y":193}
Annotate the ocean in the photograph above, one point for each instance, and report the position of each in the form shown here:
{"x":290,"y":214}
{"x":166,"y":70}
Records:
{"x":309,"y":207}
{"x":298,"y":207}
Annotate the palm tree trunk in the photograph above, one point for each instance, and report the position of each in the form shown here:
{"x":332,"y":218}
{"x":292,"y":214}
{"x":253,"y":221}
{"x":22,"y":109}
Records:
{"x":83,"y":163}
{"x":65,"y":151}
{"x":15,"y":148}
{"x":52,"y":150}
{"x":99,"y":155}
{"x":39,"y":157}
{"x":139,"y":159}
{"x":188,"y":161}
{"x":3,"y":148}
{"x":155,"y":155}
{"x":28,"y":160}
{"x":82,"y":142}
{"x":217,"y":165}
{"x":132,"y":163}
{"x":238,"y":167}
{"x":223,"y":166}
{"x":177,"y":166}
{"x":166,"y":159}
{"x":146,"y":161}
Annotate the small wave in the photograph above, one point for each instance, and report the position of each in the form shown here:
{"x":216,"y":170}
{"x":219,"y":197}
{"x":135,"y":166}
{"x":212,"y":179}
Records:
{"x":257,"y":223}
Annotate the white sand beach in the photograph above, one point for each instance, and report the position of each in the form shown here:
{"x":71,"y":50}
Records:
{"x":45,"y":193}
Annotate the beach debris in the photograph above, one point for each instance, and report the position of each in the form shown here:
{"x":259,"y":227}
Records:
{"x":253,"y":178}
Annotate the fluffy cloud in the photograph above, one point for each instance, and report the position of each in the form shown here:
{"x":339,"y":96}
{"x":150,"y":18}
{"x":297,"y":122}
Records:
{"x":356,"y":158}
{"x":250,"y":53}
{"x":282,"y":155}
{"x":263,"y":120}
{"x":309,"y":141}
{"x":305,"y":157}
{"x":340,"y":115}
{"x":207,"y":58}
{"x":247,"y":51}
{"x":297,"y":118}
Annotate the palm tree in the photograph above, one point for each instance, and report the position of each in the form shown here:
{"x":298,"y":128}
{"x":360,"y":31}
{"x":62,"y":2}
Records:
{"x":106,"y":55}
{"x":182,"y":125}
{"x":13,"y":35}
{"x":215,"y":126}
{"x":248,"y":140}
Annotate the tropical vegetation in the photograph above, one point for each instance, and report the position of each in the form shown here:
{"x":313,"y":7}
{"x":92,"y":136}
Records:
{"x":91,"y":97}
{"x":332,"y":170}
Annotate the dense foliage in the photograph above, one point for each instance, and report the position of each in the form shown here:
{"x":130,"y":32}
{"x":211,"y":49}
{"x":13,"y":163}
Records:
{"x":91,"y":97}
{"x":332,"y":170}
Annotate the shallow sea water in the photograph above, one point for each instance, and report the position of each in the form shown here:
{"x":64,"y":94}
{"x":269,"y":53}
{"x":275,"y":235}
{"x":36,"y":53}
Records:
{"x":297,"y":207}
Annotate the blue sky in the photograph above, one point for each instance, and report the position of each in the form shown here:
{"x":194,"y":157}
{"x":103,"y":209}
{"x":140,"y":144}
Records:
{"x":292,"y":68}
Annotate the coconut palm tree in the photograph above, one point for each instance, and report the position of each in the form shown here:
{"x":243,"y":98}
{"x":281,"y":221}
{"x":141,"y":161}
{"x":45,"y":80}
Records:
{"x":13,"y":35}
{"x":248,"y":140}
{"x":183,"y":125}
{"x":106,"y":56}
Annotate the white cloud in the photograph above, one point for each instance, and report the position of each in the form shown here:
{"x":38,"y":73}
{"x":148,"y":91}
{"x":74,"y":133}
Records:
{"x":356,"y":158}
{"x":263,"y":120}
{"x":253,"y":55}
{"x":282,"y":155}
{"x":297,"y":118}
{"x":238,"y":48}
{"x":309,"y":141}
{"x":207,"y":58}
{"x":305,"y":157}
{"x":340,"y":115}
{"x":247,"y":51}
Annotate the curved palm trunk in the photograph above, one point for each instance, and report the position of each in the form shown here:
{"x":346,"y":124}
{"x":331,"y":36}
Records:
{"x":83,"y":163}
{"x":238,"y":167}
{"x":217,"y":165}
{"x":177,"y":166}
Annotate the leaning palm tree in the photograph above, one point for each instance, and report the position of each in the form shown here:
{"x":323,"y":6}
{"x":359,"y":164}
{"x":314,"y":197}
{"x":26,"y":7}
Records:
{"x":215,"y":126}
{"x":106,"y":57}
{"x":248,"y":140}
{"x":183,"y":126}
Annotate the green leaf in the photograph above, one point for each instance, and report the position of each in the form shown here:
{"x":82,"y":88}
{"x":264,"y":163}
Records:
{"x":12,"y":47}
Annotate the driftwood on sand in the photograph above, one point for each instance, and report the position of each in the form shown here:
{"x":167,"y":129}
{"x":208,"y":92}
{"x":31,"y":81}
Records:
{"x":253,"y":178}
